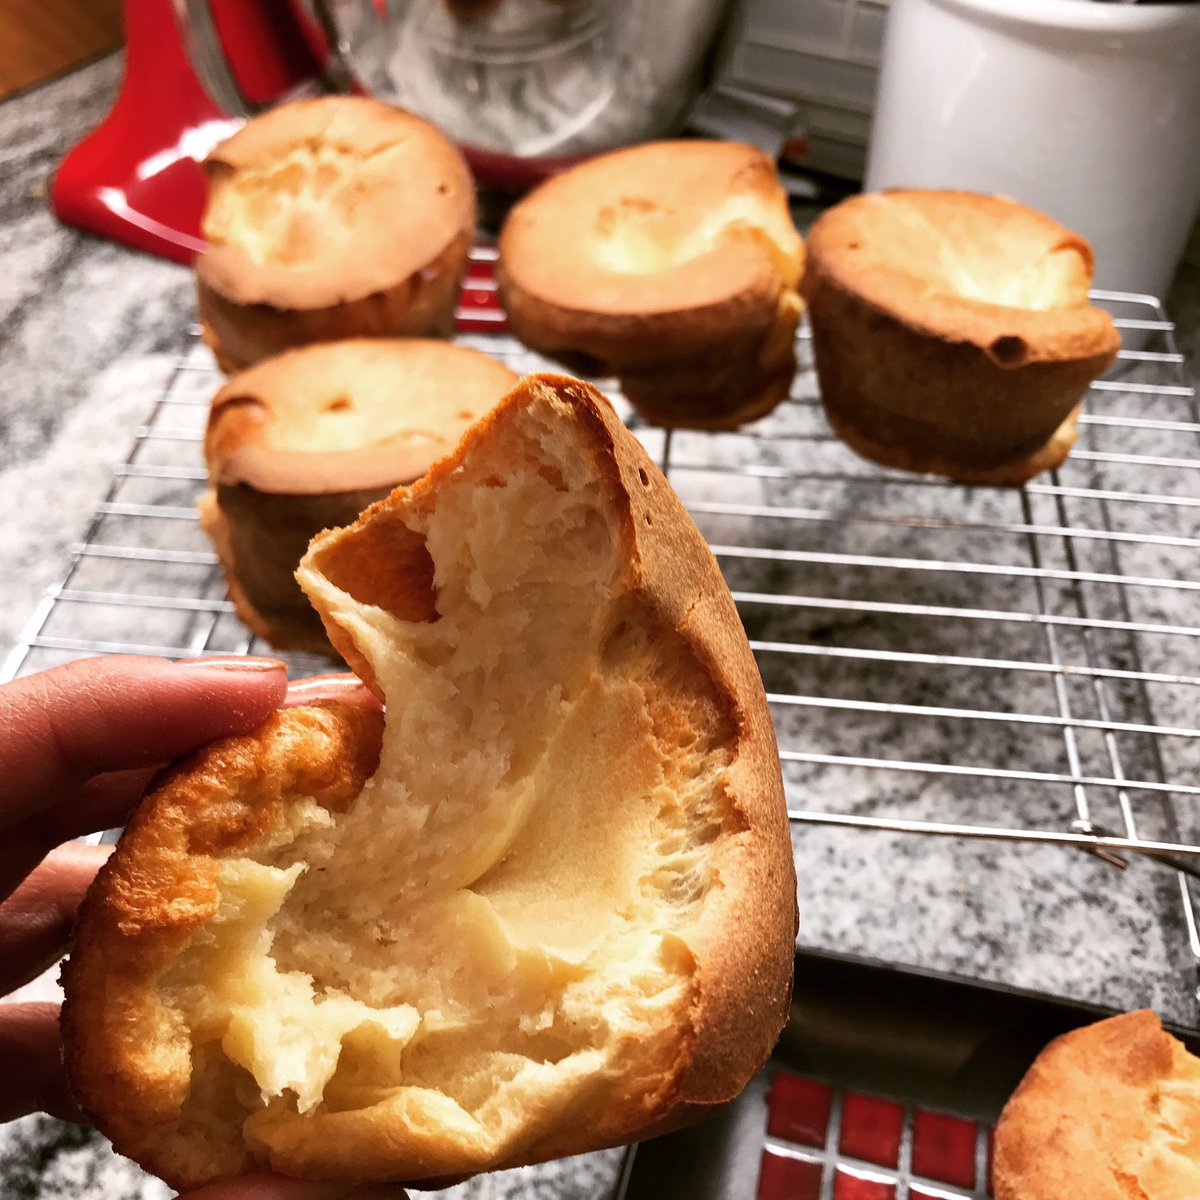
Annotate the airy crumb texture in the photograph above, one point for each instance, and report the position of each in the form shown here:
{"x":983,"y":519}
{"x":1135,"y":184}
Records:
{"x":675,"y":266}
{"x":549,"y":906}
{"x":1107,"y":1112}
{"x":331,"y":218}
{"x":952,"y":332}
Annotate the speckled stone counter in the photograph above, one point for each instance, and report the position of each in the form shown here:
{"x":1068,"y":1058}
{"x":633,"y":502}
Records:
{"x":89,"y":333}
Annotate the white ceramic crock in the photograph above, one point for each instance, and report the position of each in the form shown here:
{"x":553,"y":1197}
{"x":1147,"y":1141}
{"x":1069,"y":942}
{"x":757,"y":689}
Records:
{"x":1085,"y":110}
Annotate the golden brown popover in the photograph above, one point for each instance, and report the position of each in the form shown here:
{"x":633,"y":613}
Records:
{"x":953,"y":333}
{"x":1107,"y":1112}
{"x":332,"y":218}
{"x":305,"y":441}
{"x":674,"y":266}
{"x":546,"y":904}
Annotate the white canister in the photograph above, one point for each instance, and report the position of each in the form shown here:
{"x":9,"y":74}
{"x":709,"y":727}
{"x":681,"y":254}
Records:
{"x":1087,"y":111}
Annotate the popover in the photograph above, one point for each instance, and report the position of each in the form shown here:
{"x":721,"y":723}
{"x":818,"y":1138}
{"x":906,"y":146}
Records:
{"x":332,"y":218}
{"x":1106,"y":1112}
{"x":673,"y":265}
{"x":544,"y":904}
{"x":305,"y":441}
{"x":953,"y":333}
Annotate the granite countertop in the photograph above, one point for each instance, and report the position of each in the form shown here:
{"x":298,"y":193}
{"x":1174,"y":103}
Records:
{"x":90,"y":332}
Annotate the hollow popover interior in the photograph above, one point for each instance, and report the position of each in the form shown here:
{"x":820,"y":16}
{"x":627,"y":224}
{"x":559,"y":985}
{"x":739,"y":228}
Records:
{"x":546,"y":906}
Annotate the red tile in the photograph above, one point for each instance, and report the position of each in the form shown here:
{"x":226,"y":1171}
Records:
{"x":785,"y":1178}
{"x":799,"y":1109}
{"x":849,"y":1186}
{"x":944,"y":1148}
{"x":871,"y":1129}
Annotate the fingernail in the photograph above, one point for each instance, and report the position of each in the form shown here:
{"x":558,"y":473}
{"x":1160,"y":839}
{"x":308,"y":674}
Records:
{"x":233,"y":662}
{"x":314,"y":683}
{"x":327,"y":687}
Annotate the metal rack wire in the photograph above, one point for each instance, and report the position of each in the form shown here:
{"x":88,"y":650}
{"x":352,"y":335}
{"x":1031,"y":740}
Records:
{"x":1036,"y":645}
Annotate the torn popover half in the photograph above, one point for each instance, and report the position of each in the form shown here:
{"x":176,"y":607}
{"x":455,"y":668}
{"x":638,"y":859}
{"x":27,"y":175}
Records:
{"x":305,"y":441}
{"x":672,"y":265}
{"x":545,"y":905}
{"x":953,"y":333}
{"x":332,"y":218}
{"x":1106,"y":1112}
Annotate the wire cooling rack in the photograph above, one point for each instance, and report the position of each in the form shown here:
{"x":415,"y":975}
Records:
{"x":1031,"y":653}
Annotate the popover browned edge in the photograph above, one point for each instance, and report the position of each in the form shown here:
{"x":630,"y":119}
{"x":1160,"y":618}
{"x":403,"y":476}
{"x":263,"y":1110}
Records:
{"x":385,"y":376}
{"x":159,"y":888}
{"x":400,"y":271}
{"x":259,"y":539}
{"x":952,"y":462}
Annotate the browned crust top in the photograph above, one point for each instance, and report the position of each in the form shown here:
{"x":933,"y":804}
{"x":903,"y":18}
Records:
{"x":414,"y":399}
{"x":549,"y":247}
{"x":909,"y":253}
{"x":411,"y":195}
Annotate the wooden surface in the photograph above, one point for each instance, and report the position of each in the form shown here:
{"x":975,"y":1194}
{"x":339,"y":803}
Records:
{"x":43,"y":38}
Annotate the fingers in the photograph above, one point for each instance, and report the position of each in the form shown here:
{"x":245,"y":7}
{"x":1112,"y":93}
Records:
{"x":103,"y":802}
{"x":59,"y":727}
{"x":31,"y":1063}
{"x":36,"y":920}
{"x":276,"y":1187}
{"x":113,"y":716}
{"x":268,"y":1187}
{"x":345,"y":689}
